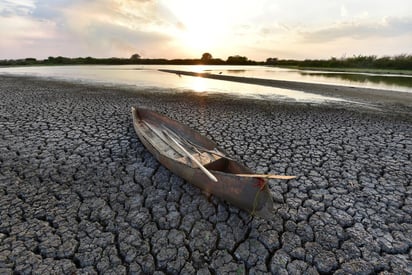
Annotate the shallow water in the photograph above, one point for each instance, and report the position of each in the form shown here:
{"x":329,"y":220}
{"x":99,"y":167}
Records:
{"x":393,"y":82}
{"x":148,"y":76}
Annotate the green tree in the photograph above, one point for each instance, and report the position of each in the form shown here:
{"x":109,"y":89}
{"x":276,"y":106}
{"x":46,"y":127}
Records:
{"x":271,"y":60}
{"x":135,"y":56}
{"x":237,"y":59}
{"x":206,"y":57}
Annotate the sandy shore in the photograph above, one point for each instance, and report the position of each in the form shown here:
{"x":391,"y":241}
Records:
{"x":80,"y":194}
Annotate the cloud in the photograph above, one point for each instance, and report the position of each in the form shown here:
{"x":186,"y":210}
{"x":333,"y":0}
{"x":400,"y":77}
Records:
{"x":118,"y":27}
{"x":12,"y":8}
{"x":110,"y":39}
{"x":173,"y":29}
{"x":142,"y":15}
{"x":388,"y":27}
{"x":97,"y":28}
{"x":343,"y":11}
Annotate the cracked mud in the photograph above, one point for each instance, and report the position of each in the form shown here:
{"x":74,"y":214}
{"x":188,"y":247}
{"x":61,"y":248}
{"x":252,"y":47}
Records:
{"x":80,"y":194}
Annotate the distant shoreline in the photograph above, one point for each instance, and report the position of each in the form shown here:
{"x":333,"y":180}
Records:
{"x":398,"y":64}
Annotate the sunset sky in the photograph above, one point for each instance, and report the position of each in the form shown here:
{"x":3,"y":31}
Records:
{"x":257,"y":29}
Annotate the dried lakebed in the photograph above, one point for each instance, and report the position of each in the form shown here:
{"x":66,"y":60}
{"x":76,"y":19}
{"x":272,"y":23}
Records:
{"x":80,"y":194}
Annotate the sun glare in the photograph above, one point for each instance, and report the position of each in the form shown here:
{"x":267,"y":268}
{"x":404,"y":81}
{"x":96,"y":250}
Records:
{"x":199,"y":69}
{"x":200,"y":37}
{"x":201,"y":31}
{"x":198,"y":84}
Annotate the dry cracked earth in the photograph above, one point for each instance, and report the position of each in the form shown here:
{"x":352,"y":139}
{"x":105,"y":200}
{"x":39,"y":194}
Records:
{"x":79,"y":194}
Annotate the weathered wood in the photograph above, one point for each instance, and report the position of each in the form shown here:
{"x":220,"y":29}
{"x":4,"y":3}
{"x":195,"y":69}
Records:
{"x":210,"y":175}
{"x":174,"y":144}
{"x":266,"y":176}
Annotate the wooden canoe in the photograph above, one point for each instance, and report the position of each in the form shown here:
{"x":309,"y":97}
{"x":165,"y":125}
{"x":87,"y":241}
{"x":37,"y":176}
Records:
{"x":229,"y":180}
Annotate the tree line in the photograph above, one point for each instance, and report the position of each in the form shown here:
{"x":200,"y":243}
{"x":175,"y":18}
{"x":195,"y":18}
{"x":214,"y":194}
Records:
{"x":206,"y":59}
{"x":398,"y":62}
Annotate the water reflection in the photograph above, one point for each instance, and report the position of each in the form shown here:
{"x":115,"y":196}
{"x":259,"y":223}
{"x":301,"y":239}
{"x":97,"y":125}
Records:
{"x":213,"y":86}
{"x":378,"y":81}
{"x":236,"y":71}
{"x":198,"y":84}
{"x":368,"y":79}
{"x":148,"y":76}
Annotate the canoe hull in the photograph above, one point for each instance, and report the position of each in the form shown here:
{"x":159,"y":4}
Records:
{"x":250,"y":194}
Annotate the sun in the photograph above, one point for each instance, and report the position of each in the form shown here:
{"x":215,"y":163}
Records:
{"x":201,"y":31}
{"x":201,"y":35}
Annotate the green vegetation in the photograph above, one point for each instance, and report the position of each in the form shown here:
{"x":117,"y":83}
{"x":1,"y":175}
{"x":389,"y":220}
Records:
{"x":386,"y":64}
{"x":363,"y":62}
{"x":206,"y":59}
{"x":353,"y":70}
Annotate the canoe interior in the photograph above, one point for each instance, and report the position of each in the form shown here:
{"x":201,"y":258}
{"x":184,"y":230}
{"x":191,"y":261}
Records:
{"x":198,"y":143}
